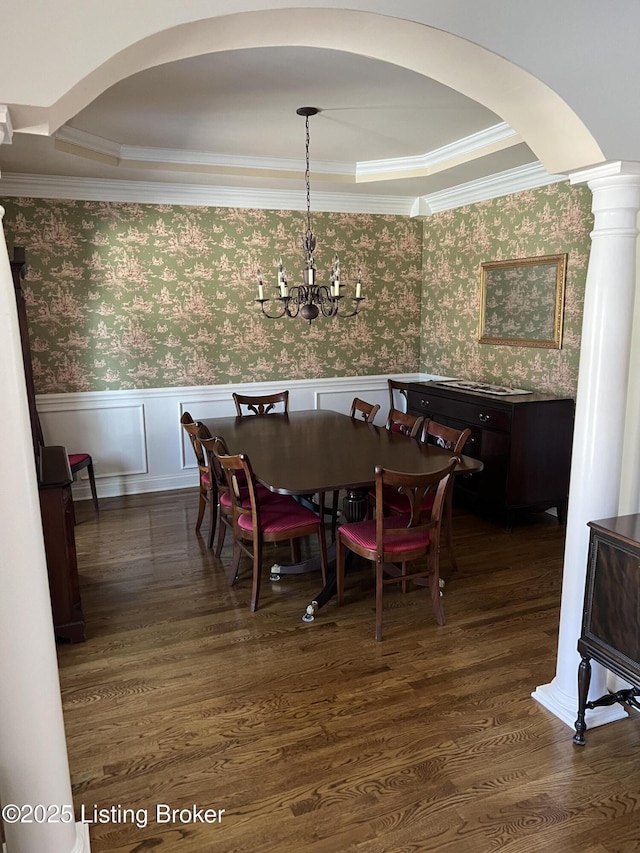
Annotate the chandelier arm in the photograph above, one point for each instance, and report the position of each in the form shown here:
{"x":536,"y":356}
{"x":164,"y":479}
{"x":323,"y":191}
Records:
{"x":285,"y":308}
{"x":357,"y":300}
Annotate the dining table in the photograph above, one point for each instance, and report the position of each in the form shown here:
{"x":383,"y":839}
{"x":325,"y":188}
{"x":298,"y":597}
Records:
{"x":313,"y":452}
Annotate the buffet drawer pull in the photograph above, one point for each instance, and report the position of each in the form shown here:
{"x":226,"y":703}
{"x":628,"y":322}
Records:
{"x":484,"y":418}
{"x":424,"y":403}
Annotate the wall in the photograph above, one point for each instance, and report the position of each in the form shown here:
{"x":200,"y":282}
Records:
{"x":135,"y":296}
{"x":550,"y":220}
{"x":140,"y":312}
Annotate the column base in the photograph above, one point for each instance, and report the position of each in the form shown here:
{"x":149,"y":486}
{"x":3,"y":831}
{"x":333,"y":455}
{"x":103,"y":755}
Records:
{"x":565,"y":707}
{"x":82,"y":843}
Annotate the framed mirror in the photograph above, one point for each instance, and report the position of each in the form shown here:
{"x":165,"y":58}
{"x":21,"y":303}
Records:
{"x":522,"y":302}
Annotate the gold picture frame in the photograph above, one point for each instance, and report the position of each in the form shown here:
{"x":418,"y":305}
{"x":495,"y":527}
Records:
{"x":522,"y":301}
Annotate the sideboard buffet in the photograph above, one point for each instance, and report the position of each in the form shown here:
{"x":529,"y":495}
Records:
{"x":524,"y":441}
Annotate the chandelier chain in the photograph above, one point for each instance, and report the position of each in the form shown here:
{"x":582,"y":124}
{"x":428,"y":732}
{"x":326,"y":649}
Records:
{"x":307,"y":176}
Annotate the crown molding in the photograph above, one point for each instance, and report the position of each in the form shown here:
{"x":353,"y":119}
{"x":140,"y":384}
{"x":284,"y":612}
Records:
{"x":470,"y":147}
{"x":512,"y":181}
{"x":515,"y":180}
{"x":83,"y":144}
{"x":149,"y":192}
{"x":87,"y":144}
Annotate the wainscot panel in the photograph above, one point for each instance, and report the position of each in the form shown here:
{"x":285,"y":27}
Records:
{"x":136,"y":439}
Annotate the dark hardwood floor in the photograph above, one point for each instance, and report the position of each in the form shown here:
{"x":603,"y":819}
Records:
{"x":313,"y":737}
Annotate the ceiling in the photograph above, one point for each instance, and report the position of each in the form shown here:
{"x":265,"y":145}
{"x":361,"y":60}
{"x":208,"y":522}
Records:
{"x":228,"y":119}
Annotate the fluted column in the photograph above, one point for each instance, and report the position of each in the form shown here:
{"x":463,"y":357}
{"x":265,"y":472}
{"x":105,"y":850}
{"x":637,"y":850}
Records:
{"x":601,"y":400}
{"x":34,"y":768}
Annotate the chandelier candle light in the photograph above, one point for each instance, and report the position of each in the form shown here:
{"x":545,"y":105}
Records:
{"x":309,"y":299}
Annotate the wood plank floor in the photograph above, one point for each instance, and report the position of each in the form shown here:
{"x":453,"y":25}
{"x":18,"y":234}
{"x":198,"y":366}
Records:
{"x":313,"y":737}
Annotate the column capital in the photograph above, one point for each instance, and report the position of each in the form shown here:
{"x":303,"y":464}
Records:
{"x":610,"y":169}
{"x":6,"y":128}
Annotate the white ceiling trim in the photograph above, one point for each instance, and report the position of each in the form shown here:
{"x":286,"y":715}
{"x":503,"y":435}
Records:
{"x":521,"y":178}
{"x":463,"y":149}
{"x":476,"y":145}
{"x":148,"y":192}
{"x":81,"y":141}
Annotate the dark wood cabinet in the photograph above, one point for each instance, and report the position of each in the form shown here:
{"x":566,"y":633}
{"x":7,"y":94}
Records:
{"x":523,"y":440}
{"x":611,"y":615}
{"x":58,"y":520}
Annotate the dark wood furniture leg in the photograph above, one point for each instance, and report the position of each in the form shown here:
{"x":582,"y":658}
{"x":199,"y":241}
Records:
{"x":92,"y":484}
{"x":584,"y":680}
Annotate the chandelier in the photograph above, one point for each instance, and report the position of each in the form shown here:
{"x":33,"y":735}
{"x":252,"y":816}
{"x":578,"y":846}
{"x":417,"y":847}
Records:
{"x":310,"y":299}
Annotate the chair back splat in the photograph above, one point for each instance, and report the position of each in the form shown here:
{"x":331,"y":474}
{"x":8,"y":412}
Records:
{"x":392,"y":542}
{"x":402,"y":389}
{"x":405,"y":423}
{"x":361,"y":410}
{"x":445,"y":436}
{"x":261,"y":405}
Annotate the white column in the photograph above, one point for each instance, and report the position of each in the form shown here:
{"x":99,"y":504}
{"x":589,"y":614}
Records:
{"x":34,"y":767}
{"x":600,"y":416}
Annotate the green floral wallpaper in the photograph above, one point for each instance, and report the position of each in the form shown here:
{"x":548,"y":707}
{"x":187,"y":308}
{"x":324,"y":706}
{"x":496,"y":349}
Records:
{"x":550,"y":220}
{"x":142,"y":296}
{"x":125,"y":295}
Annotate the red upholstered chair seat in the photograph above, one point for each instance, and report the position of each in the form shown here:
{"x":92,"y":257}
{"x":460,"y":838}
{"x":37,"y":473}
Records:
{"x":280,"y":516}
{"x":363,"y":533}
{"x":77,"y":458}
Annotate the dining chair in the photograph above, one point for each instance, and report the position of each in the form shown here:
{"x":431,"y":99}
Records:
{"x":400,"y":539}
{"x":402,"y":389}
{"x":205,"y":480}
{"x":221,"y":487}
{"x":395,"y":503}
{"x":361,"y":410}
{"x":405,"y":423}
{"x":256,"y":523}
{"x":77,"y":462}
{"x":264,"y":404}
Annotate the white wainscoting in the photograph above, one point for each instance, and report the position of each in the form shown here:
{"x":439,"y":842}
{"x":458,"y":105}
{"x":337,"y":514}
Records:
{"x":135,"y":437}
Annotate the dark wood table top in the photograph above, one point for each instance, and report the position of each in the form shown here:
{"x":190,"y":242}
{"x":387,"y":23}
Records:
{"x":319,"y":450}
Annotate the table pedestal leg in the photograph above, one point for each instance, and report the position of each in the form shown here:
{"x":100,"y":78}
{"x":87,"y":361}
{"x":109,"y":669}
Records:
{"x":354,"y":508}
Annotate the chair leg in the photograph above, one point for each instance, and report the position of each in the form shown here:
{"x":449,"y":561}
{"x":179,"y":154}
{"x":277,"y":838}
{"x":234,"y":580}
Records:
{"x":340,"y":549}
{"x":201,"y":508}
{"x":295,"y":550}
{"x":222,"y":529}
{"x":334,"y":515}
{"x":235,"y":562}
{"x":257,"y":575}
{"x":379,"y":601}
{"x":213,"y":519}
{"x":436,"y":598}
{"x":448,"y":520}
{"x":92,"y":484}
{"x":322,"y":544}
{"x":405,"y":584}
